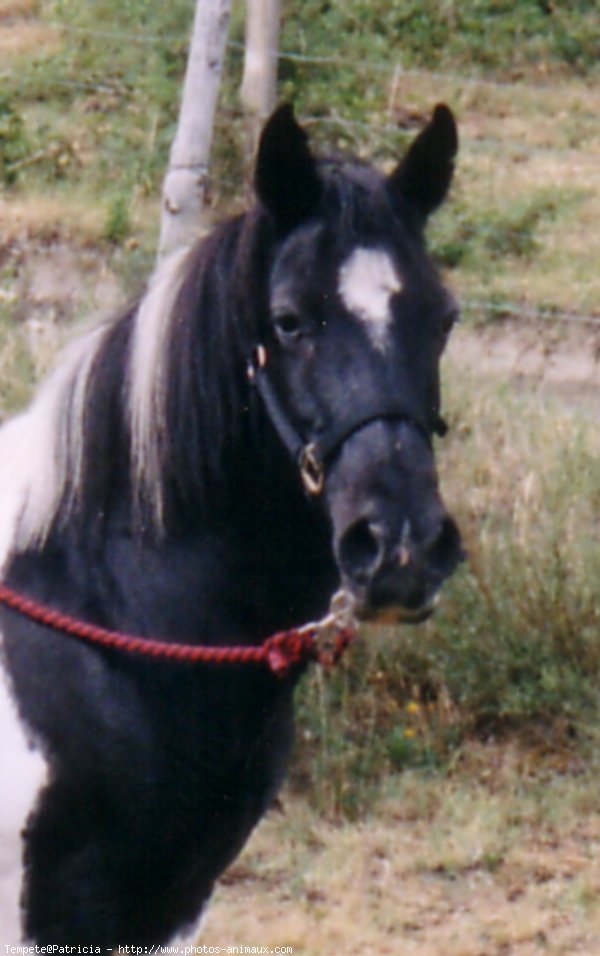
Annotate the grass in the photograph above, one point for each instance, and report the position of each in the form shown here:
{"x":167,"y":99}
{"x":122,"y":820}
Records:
{"x":491,"y":36}
{"x":515,"y":641}
{"x":492,"y":857}
{"x":16,"y":365}
{"x":96,"y":89}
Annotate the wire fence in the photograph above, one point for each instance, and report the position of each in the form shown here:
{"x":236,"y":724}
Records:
{"x":509,"y":310}
{"x":390,"y":67}
{"x":396,"y":72}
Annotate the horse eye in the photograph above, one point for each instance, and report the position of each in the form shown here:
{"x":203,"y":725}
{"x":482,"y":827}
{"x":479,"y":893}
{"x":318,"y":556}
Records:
{"x":288,"y":324}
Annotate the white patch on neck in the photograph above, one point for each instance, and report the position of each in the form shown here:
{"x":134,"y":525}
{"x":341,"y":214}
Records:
{"x":367,"y":281}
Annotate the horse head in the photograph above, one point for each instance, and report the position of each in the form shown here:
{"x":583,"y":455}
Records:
{"x":355,"y":324}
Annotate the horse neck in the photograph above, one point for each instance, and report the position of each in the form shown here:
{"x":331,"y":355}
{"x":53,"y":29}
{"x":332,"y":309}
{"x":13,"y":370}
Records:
{"x":276,"y":541}
{"x":235,"y":506}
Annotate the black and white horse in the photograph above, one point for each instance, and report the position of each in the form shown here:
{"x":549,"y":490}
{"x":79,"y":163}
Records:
{"x":157,"y":487}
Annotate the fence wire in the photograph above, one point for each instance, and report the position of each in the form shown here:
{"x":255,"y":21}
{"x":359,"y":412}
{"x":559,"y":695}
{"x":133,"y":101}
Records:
{"x":392,"y":68}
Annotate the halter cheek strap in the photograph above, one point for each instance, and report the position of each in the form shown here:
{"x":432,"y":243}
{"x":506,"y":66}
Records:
{"x":312,"y":455}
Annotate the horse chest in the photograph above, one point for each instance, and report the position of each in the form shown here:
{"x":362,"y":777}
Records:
{"x":152,"y":792}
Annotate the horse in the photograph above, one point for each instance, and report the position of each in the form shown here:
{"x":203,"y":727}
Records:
{"x":207,"y":468}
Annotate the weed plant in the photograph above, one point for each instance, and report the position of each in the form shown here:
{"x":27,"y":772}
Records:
{"x":17,"y":368}
{"x":486,"y":238}
{"x":13,"y":142}
{"x":516,"y":640}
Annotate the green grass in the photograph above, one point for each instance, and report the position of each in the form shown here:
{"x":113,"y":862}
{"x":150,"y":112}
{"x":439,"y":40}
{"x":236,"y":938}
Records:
{"x":14,"y":146}
{"x":493,"y":236}
{"x":496,"y":36}
{"x":17,"y":368}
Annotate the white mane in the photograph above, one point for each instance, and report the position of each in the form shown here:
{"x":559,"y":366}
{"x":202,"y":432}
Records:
{"x":41,"y":449}
{"x":148,"y":379}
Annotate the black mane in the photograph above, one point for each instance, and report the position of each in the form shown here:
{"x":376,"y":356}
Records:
{"x":210,"y":411}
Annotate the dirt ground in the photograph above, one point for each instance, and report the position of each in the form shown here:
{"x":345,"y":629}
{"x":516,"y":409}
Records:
{"x":558,"y":361}
{"x":471,"y":884}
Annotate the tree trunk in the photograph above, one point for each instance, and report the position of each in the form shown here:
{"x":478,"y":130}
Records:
{"x":259,"y":83}
{"x":184,"y":186}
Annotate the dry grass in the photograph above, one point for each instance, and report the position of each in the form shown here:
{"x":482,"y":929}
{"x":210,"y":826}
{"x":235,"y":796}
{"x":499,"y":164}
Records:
{"x":561,"y":274}
{"x":13,"y":9}
{"x":519,"y":142}
{"x":493,"y":866}
{"x":20,"y":38}
{"x":74,"y":217}
{"x":554,"y":362}
{"x":44,"y":217}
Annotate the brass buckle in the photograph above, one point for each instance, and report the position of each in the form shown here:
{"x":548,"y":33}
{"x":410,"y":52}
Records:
{"x":257,"y":362}
{"x":311,"y":470}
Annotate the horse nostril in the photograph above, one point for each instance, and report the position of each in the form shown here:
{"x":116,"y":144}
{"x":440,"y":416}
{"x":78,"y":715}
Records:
{"x":360,"y":550}
{"x":446,"y":551}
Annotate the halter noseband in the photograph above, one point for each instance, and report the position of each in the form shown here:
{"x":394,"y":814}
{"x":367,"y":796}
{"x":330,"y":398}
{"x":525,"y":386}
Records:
{"x":312,"y":455}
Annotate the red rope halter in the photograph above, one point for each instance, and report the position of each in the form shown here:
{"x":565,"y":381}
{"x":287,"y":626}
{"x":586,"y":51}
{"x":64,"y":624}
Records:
{"x":323,"y":642}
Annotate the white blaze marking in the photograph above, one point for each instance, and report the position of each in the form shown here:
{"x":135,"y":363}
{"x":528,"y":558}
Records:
{"x":367,"y":281}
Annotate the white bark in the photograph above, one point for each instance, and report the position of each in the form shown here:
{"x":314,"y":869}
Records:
{"x":259,"y":83}
{"x":184,"y":186}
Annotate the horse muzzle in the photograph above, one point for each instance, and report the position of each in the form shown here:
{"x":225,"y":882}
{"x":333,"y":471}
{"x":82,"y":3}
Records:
{"x":396,"y":579}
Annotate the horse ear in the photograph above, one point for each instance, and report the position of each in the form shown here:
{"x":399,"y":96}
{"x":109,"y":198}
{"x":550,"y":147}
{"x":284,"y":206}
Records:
{"x":423,"y":177}
{"x":285,"y":177}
